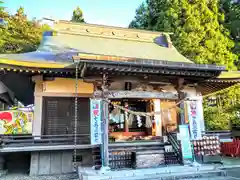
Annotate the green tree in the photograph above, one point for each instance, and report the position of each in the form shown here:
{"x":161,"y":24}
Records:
{"x":77,"y":15}
{"x":1,"y":6}
{"x":197,"y":28}
{"x":4,"y":33}
{"x":226,"y":109}
{"x":141,"y":18}
{"x":216,"y":119}
{"x":20,"y":34}
{"x":232,"y":23}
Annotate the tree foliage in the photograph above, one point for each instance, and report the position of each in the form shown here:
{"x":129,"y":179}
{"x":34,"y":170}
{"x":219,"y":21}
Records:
{"x":231,"y":9}
{"x":221,"y":110}
{"x":206,"y":32}
{"x":19,"y":34}
{"x":77,"y":15}
{"x":198,"y":32}
{"x":141,"y":18}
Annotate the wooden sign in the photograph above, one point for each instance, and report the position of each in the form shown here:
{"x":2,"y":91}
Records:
{"x":137,"y":94}
{"x":186,"y":147}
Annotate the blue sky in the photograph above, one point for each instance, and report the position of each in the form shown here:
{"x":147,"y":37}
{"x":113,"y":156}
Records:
{"x":107,"y":12}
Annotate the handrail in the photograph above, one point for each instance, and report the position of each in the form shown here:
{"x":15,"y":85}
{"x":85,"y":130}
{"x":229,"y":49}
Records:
{"x":42,"y":136}
{"x":217,"y":131}
{"x":176,"y":146}
{"x":63,"y":139}
{"x":222,"y":134}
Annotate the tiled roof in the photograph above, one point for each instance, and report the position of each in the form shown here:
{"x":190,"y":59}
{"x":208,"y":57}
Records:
{"x":112,"y":41}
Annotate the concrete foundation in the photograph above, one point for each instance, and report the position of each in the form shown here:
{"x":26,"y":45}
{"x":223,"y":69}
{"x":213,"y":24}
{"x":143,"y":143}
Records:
{"x":162,"y":173}
{"x":51,"y":162}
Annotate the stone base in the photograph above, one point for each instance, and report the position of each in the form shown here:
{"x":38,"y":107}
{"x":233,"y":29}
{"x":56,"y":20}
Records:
{"x":3,"y":173}
{"x":163,"y":173}
{"x":208,"y":159}
{"x":51,"y":162}
{"x":148,"y":159}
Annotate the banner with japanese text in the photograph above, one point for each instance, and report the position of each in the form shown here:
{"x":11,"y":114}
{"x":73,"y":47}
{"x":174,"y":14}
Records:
{"x":95,"y":110}
{"x":200,"y":113}
{"x":194,"y":118}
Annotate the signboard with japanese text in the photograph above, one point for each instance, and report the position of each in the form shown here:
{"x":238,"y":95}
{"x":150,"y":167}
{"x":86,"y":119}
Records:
{"x":194,"y":120}
{"x":185,"y":142}
{"x":95,"y":110}
{"x":157,"y":117}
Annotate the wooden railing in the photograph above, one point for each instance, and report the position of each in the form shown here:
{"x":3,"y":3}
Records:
{"x":172,"y":138}
{"x":44,"y":140}
{"x":222,"y":134}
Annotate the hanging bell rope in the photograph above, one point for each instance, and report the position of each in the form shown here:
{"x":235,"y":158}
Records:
{"x":75,"y":120}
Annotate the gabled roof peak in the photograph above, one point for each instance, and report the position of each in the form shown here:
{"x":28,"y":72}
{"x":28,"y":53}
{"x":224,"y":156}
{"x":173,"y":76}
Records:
{"x":67,"y":27}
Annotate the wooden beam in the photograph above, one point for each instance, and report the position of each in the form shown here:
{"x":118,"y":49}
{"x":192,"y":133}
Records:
{"x":151,"y":79}
{"x":105,"y":119}
{"x":53,"y":94}
{"x":137,"y":94}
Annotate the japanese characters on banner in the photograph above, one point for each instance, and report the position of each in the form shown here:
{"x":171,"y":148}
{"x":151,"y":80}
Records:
{"x":157,"y":117}
{"x":194,"y":117}
{"x":200,"y":113}
{"x":95,"y":110}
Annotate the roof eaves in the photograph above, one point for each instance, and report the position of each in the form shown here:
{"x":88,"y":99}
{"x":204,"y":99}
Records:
{"x":159,"y":64}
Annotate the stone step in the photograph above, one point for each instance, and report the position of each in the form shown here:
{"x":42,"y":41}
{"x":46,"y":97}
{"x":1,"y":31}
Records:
{"x":150,"y":152}
{"x":176,"y":172}
{"x":209,"y":175}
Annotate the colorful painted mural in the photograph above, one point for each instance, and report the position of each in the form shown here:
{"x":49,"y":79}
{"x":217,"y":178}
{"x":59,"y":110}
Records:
{"x":16,"y":122}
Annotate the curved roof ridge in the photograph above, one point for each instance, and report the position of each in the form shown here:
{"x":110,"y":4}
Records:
{"x":67,"y":27}
{"x":112,"y":27}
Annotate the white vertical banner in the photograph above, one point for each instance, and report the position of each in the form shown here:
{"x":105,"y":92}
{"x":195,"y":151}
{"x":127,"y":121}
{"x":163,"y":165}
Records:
{"x":96,"y":119}
{"x":200,"y":112}
{"x":157,"y":117}
{"x":194,"y":120}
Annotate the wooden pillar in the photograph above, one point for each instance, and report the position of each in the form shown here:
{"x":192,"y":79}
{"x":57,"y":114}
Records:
{"x":179,"y":85}
{"x":38,"y":105}
{"x":105,"y":118}
{"x":126,"y":116}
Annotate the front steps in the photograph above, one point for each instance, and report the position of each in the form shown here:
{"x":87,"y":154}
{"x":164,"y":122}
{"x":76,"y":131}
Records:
{"x":137,"y":155}
{"x":121,"y":155}
{"x":164,"y":173}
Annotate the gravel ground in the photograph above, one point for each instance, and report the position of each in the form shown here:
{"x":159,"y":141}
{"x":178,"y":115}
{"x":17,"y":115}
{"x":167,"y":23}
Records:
{"x":19,"y":176}
{"x":71,"y":177}
{"x":26,"y":177}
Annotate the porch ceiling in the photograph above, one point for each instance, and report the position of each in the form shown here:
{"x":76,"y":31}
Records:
{"x":21,"y":85}
{"x":214,"y":85}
